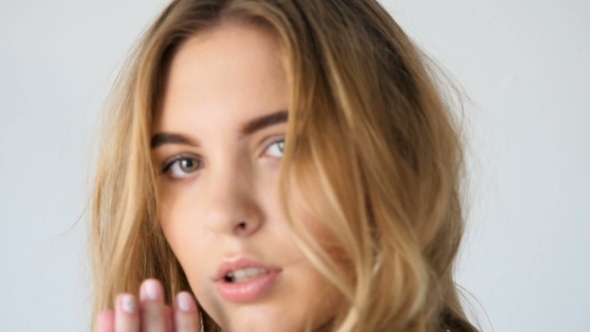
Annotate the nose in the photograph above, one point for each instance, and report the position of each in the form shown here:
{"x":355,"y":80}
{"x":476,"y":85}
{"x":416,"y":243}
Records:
{"x":232,"y":207}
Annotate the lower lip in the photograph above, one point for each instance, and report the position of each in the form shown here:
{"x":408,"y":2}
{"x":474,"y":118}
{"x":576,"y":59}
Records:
{"x":248,"y":291}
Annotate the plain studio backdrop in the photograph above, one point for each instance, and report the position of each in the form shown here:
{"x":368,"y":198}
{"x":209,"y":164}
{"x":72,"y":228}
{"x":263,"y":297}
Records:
{"x":523,"y":63}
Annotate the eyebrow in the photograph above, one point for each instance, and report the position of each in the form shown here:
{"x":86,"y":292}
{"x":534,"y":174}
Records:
{"x":249,"y":128}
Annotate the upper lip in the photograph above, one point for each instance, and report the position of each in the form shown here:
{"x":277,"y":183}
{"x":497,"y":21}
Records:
{"x":241,"y":263}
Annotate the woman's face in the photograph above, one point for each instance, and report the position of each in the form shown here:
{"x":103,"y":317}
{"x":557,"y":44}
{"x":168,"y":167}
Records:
{"x":218,"y":143}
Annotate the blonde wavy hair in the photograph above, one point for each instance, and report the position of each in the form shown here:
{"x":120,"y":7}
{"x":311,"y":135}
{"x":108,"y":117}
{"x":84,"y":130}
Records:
{"x":371,"y":140}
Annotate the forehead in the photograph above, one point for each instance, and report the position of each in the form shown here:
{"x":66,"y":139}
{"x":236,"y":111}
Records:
{"x":233,"y":70}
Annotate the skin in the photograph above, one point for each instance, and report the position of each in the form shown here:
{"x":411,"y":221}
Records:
{"x":218,"y":189}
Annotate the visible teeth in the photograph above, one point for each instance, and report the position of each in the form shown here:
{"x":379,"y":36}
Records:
{"x":245,"y":274}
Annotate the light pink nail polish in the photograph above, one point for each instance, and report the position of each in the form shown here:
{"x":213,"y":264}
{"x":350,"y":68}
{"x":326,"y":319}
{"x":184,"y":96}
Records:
{"x":128,"y":303}
{"x":151,"y":290}
{"x":185,"y":301}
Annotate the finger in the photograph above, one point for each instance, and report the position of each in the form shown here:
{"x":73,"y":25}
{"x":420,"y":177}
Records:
{"x":186,"y":313}
{"x":126,"y":314}
{"x":153,"y":317}
{"x":106,"y":321}
{"x":169,"y":316}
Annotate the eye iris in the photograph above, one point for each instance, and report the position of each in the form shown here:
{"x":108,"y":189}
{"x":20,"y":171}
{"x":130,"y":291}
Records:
{"x":281,"y":145}
{"x":188,"y":165}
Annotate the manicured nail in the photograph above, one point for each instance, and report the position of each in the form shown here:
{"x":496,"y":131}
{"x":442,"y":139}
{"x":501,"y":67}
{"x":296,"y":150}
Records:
{"x":185,"y":301}
{"x":128,"y":303}
{"x":151,"y":290}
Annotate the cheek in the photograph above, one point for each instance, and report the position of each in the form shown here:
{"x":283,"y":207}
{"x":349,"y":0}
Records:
{"x":173,"y":221}
{"x":183,"y":234}
{"x":186,"y":242}
{"x":322,"y":235}
{"x":190,"y":244}
{"x":177,"y":212}
{"x":317,"y":229}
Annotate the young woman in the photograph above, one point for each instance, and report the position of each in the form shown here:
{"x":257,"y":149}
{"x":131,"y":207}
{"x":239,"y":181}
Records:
{"x":277,"y":165}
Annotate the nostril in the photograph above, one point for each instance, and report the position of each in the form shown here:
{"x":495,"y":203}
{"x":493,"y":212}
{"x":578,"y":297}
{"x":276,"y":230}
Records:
{"x":244,"y":228}
{"x":241,"y":229}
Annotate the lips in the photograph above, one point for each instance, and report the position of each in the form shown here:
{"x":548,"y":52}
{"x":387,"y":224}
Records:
{"x":245,"y":280}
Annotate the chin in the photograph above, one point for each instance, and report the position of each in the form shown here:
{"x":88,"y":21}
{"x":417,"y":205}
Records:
{"x":248,"y":319}
{"x":268,"y":324}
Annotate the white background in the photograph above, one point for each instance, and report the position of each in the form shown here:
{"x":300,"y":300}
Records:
{"x":524,"y":64}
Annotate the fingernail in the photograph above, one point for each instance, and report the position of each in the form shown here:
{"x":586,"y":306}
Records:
{"x":185,"y":301}
{"x":151,"y":290}
{"x":128,"y":303}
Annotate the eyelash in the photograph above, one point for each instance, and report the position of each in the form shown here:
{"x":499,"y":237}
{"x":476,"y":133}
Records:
{"x":170,"y":163}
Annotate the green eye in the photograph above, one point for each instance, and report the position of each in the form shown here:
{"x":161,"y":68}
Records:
{"x":182,"y":167}
{"x":188,"y":165}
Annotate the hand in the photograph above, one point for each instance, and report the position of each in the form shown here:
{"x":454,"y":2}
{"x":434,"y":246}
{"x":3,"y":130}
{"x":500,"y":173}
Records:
{"x":150,"y":314}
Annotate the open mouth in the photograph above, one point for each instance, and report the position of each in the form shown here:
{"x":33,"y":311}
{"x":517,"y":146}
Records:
{"x":245,"y":280}
{"x":245,"y":275}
